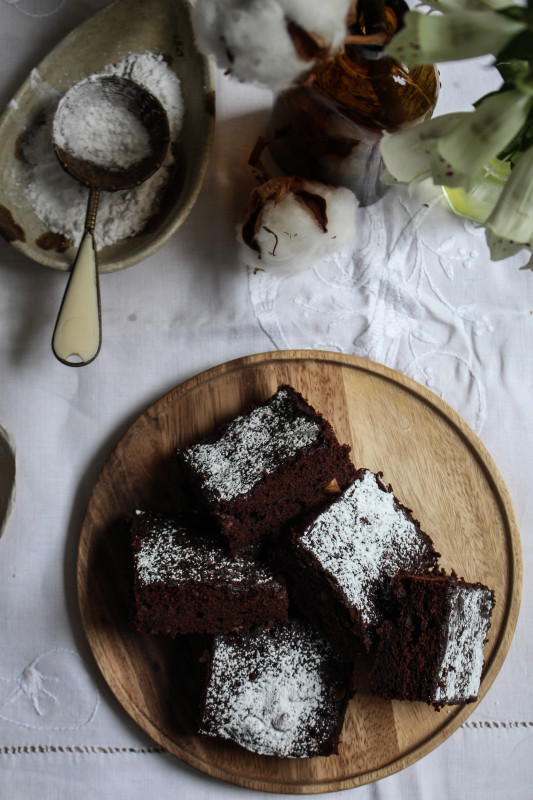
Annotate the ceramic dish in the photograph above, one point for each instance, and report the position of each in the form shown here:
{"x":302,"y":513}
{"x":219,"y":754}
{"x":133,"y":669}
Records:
{"x":7,"y":477}
{"x":122,"y":28}
{"x":437,"y":467}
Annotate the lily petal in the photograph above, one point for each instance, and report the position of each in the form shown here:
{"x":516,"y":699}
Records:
{"x":477,"y":204}
{"x":388,"y":178}
{"x":450,"y":37}
{"x":408,"y":153}
{"x":479,"y":136}
{"x":529,"y":264}
{"x":512,"y":217}
{"x":500,"y":247}
{"x":444,"y":174}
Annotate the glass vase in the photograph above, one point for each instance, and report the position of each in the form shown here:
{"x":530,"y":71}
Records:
{"x":478,"y":203}
{"x":330,"y":130}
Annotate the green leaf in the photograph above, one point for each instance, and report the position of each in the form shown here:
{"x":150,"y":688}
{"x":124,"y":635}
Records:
{"x":510,"y":69}
{"x":512,"y":218}
{"x":472,"y":5}
{"x":519,"y":47}
{"x":522,"y":142}
{"x":479,"y":136}
{"x":513,"y":11}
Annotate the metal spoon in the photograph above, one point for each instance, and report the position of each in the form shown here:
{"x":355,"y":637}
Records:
{"x":78,"y":330}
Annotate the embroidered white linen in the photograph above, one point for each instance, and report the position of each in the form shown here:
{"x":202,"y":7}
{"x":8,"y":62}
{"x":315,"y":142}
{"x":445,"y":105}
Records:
{"x":418,"y":293}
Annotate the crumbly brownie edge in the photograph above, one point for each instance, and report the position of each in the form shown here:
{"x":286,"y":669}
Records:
{"x":294,"y":488}
{"x":195,"y":608}
{"x":339,"y":623}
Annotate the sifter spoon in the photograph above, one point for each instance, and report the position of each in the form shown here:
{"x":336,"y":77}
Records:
{"x":110,"y":134}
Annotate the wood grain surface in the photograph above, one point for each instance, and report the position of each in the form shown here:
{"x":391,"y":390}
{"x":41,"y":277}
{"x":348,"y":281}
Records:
{"x":437,"y":467}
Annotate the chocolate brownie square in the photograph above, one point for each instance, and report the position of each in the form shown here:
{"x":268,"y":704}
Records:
{"x":277,"y":692}
{"x":265,"y":467}
{"x":432,"y":650}
{"x":339,"y":562}
{"x":185,"y":581}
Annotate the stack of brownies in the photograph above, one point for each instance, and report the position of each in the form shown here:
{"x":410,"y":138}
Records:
{"x":293,"y":580}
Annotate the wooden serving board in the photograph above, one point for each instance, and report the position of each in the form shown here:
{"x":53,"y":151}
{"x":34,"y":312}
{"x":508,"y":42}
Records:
{"x":437,"y":467}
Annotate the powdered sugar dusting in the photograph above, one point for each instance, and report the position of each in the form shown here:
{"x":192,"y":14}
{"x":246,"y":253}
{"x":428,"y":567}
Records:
{"x":266,"y":689}
{"x":174,"y":553}
{"x":459,"y":675}
{"x":253,"y":443}
{"x":364,"y":538}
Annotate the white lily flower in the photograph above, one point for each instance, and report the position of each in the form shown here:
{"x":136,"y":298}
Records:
{"x":479,"y":136}
{"x":512,"y":217}
{"x":453,"y":36}
{"x":453,"y":149}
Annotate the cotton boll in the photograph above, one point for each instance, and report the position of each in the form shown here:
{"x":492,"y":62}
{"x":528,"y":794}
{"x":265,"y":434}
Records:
{"x":262,"y":49}
{"x":326,"y":20}
{"x":289,"y":235}
{"x":271,"y":42}
{"x":291,"y":224}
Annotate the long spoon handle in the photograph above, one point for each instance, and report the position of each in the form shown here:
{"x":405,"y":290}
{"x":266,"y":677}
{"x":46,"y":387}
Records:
{"x":78,"y":332}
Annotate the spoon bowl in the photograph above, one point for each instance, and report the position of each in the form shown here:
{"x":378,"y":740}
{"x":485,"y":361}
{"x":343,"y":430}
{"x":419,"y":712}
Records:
{"x":134,"y":163}
{"x":110,"y":134}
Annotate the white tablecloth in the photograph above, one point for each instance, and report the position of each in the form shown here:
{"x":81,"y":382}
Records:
{"x":418,"y":293}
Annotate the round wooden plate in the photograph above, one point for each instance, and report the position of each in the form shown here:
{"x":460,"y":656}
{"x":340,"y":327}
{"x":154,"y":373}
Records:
{"x":437,"y":467}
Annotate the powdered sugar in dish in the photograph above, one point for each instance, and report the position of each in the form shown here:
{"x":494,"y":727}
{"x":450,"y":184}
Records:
{"x":59,"y":201}
{"x":363,"y":538}
{"x":252,"y":444}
